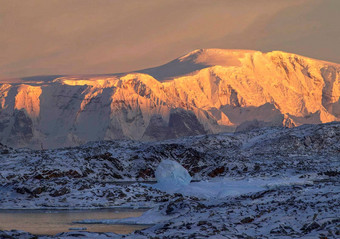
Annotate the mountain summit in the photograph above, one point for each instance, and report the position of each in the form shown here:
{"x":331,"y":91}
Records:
{"x":205,"y":91}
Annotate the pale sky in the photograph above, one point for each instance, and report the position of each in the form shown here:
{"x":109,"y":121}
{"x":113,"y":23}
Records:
{"x":46,"y":37}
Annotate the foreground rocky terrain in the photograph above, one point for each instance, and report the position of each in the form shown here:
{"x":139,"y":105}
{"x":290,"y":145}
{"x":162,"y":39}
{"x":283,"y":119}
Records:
{"x":206,"y":91}
{"x":299,"y":169}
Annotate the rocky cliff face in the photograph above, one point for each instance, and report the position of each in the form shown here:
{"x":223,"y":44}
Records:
{"x":205,"y":91}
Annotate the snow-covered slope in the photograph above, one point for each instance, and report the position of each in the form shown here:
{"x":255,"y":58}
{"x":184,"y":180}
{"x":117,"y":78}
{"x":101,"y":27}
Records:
{"x":205,"y":91}
{"x":265,"y":183}
{"x":260,"y":152}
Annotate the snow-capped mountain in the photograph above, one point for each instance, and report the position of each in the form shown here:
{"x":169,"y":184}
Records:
{"x":205,"y":91}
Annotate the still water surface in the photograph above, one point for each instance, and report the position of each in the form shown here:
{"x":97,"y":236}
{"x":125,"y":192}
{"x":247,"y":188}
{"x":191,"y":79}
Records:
{"x":51,"y":222}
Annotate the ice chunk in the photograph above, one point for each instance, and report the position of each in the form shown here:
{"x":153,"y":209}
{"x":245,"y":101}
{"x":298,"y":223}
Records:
{"x":227,"y":187}
{"x":171,"y":175}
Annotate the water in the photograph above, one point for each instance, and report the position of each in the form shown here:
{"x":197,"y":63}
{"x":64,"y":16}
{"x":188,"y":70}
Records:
{"x":51,"y":222}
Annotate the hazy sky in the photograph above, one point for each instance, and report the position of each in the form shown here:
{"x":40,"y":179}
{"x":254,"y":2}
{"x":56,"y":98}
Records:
{"x":40,"y":37}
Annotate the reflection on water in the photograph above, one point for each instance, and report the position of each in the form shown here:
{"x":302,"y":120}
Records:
{"x":51,"y":222}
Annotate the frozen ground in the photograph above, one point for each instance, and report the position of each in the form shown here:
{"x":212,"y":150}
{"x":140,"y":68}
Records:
{"x":266,"y":183}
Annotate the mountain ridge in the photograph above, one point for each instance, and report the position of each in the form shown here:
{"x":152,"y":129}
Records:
{"x":204,"y":91}
{"x":44,"y":78}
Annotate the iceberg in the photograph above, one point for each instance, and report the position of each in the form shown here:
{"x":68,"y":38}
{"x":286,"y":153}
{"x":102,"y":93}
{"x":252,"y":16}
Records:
{"x":171,"y":176}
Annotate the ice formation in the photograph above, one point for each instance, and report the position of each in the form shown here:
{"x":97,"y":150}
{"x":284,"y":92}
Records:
{"x":171,"y":175}
{"x":173,"y":178}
